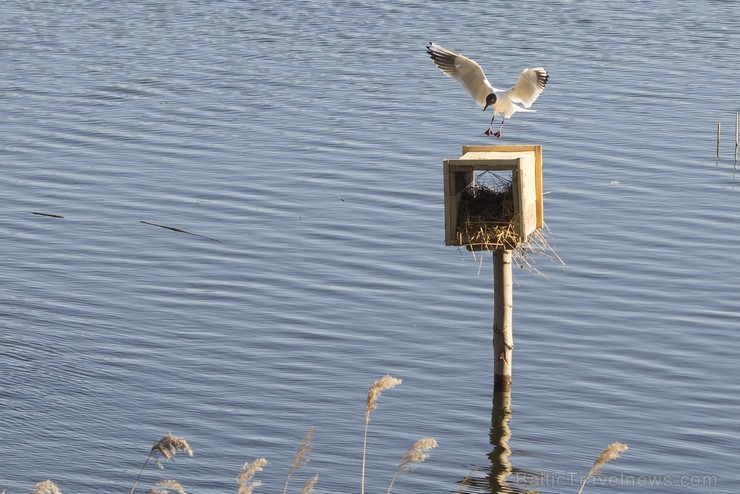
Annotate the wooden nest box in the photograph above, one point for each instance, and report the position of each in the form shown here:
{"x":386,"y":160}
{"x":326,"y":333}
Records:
{"x":493,"y":196}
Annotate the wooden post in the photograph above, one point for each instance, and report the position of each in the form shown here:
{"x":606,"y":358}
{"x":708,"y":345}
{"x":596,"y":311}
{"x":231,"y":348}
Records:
{"x":503,"y":339}
{"x":524,"y":162}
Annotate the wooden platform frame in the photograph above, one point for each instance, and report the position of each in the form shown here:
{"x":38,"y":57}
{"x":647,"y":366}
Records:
{"x":525,"y":163}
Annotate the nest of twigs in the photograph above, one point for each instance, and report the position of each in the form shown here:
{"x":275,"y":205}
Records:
{"x":486,"y":218}
{"x":486,"y":221}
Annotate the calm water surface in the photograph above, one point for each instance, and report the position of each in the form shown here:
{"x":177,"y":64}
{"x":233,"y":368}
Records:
{"x":302,"y":145}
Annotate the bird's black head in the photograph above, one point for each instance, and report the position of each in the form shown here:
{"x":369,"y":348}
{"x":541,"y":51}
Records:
{"x":490,"y":100}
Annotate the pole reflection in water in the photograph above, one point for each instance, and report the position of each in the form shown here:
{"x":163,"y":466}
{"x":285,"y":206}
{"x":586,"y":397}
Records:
{"x":498,"y":479}
{"x":500,"y":434}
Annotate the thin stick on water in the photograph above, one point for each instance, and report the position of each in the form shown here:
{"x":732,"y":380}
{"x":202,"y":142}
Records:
{"x":737,"y":121}
{"x":301,"y":456}
{"x":612,"y":452}
{"x":718,"y":128}
{"x":382,"y":384}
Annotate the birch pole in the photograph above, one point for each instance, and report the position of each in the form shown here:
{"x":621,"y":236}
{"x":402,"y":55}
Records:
{"x":503,"y":339}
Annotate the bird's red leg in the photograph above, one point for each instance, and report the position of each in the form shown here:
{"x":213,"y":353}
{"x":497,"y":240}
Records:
{"x":497,"y":134}
{"x":489,"y":131}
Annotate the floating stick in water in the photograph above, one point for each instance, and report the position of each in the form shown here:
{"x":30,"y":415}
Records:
{"x":47,"y":214}
{"x":178,"y":230}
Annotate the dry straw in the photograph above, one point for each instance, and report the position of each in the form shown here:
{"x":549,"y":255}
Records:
{"x":301,"y":456}
{"x":487,"y":220}
{"x":417,"y":453}
{"x":373,"y":394}
{"x":611,"y":453}
{"x":487,"y":216}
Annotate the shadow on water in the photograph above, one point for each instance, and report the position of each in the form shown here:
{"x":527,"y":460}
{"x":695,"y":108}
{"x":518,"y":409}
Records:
{"x":501,"y":477}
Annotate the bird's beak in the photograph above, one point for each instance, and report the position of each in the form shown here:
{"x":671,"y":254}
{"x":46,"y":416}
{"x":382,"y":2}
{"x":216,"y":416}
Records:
{"x":486,"y":107}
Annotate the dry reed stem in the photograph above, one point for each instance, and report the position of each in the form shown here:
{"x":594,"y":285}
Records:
{"x":308,"y":488}
{"x":301,"y":456}
{"x":611,"y":453}
{"x":246,"y":484}
{"x":417,"y":453}
{"x":373,"y":394}
{"x":46,"y":487}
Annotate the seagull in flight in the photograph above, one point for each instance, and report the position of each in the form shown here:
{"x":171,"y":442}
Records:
{"x":468,"y":73}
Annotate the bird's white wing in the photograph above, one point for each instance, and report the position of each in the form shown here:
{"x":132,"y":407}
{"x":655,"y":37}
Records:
{"x":463,"y":70}
{"x":529,"y":86}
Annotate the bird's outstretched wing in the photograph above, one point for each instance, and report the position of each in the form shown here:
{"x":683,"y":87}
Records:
{"x":529,"y":86}
{"x":464,"y":70}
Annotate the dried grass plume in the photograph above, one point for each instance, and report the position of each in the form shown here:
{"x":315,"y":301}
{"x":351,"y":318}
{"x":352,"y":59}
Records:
{"x":246,"y":484}
{"x":417,"y":453}
{"x":46,"y":487}
{"x":611,"y":453}
{"x":382,"y":384}
{"x":167,"y":447}
{"x":308,"y":488}
{"x":301,"y":456}
{"x":166,"y":487}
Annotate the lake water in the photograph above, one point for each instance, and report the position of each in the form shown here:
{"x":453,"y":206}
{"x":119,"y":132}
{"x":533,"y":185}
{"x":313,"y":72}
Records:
{"x":300,"y":144}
